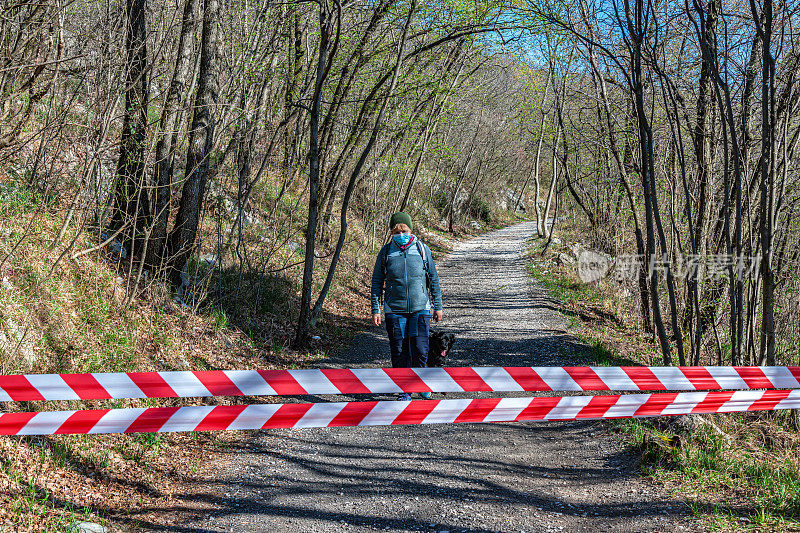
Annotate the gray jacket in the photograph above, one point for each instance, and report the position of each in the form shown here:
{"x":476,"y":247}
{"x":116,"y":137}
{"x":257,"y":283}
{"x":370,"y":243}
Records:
{"x":401,"y":281}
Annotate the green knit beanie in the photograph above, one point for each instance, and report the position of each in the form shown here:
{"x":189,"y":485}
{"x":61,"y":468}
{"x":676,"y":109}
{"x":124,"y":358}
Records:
{"x":400,"y":218}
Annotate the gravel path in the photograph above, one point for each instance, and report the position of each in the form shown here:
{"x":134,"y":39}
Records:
{"x":554,"y":476}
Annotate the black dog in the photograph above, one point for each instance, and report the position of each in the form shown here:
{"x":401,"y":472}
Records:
{"x":440,"y":346}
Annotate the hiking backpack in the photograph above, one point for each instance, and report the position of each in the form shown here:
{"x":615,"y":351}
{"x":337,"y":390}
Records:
{"x":422,"y":253}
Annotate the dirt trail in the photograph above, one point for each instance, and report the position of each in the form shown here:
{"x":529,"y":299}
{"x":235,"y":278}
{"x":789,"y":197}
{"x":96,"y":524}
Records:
{"x":562,"y":476}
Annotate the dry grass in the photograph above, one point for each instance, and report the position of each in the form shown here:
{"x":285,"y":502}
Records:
{"x":46,"y":483}
{"x":71,"y":318}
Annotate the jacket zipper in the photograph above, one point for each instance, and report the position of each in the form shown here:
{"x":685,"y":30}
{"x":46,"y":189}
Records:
{"x":405,"y":271}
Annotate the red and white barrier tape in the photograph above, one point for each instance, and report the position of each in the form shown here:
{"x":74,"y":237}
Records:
{"x":31,"y":387}
{"x":376,"y":413}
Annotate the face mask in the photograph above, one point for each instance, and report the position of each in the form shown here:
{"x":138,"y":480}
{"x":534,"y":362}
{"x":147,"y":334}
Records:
{"x":402,"y":238}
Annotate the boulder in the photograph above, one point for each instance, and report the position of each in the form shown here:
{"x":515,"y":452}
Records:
{"x":87,"y":527}
{"x":576,"y":249}
{"x":566,"y":259}
{"x":208,"y":260}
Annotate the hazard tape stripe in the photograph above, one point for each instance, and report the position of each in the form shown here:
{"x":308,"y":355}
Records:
{"x":374,"y":413}
{"x":32,"y":387}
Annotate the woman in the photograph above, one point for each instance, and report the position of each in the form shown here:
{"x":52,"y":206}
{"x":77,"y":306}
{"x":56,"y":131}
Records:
{"x":405,"y":277}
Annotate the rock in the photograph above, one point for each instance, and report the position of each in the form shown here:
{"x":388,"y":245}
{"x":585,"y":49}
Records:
{"x":475,"y":224}
{"x":293,"y":246}
{"x":7,"y":284}
{"x":555,"y":240}
{"x":566,"y":259}
{"x":512,"y":200}
{"x":207,"y":259}
{"x":576,"y":249}
{"x":87,"y":527}
{"x":185,"y":294}
{"x":117,"y":250}
{"x":229,"y":206}
{"x":248,"y":219}
{"x":14,"y":338}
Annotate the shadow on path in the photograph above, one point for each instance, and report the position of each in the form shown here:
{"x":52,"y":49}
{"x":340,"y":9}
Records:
{"x":539,"y":476}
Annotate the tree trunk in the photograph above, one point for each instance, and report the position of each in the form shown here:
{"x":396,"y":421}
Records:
{"x":168,"y":126}
{"x":553,"y":180}
{"x":644,"y":298}
{"x":636,"y":31}
{"x":325,"y":30}
{"x":463,"y":174}
{"x":767,"y":353}
{"x":201,"y":134}
{"x":131,"y":200}
{"x":540,"y":222}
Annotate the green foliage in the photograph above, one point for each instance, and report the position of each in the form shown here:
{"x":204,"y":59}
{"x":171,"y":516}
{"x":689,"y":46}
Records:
{"x":567,"y":289}
{"x":116,"y":348}
{"x":601,"y":354}
{"x":709,"y":463}
{"x":220,"y":318}
{"x":480,"y":210}
{"x":441,"y":201}
{"x":140,"y":445}
{"x":17,"y":199}
{"x":460,"y":12}
{"x":95,"y":309}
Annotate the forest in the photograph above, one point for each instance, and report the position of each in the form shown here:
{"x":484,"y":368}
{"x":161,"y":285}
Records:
{"x":204,"y":184}
{"x":205,"y":146}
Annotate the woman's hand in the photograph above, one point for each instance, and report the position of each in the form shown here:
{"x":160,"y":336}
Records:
{"x":376,"y":319}
{"x":437,"y":316}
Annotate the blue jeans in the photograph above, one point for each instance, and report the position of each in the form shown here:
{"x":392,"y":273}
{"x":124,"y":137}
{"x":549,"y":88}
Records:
{"x":408,"y":338}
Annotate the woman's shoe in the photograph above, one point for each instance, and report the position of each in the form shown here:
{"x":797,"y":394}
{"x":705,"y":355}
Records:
{"x":404,"y":397}
{"x":425,"y":395}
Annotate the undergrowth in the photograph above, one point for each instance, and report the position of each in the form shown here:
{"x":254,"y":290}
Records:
{"x":738,"y":471}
